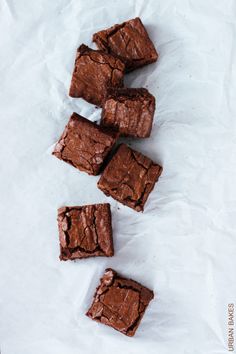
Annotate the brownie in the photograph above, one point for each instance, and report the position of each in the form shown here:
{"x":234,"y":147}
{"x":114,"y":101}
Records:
{"x":85,"y":231}
{"x":129,"y":41}
{"x":129,"y":177}
{"x":119,"y":302}
{"x":84,"y":144}
{"x":129,"y":111}
{"x":95,"y":71}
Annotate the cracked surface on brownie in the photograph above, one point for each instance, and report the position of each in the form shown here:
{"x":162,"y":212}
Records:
{"x":84,"y":145}
{"x":94,"y":72}
{"x":129,"y":177}
{"x":129,"y":111}
{"x":85,"y":231}
{"x":120,"y":302}
{"x":129,"y":41}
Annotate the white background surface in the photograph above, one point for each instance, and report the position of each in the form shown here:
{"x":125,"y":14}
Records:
{"x":183,"y":245}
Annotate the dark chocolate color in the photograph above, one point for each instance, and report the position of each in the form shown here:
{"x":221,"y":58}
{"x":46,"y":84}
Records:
{"x":129,"y":41}
{"x":85,"y":231}
{"x":129,"y":111}
{"x":94,"y":72}
{"x":120,"y":303}
{"x":129,"y":177}
{"x":84,"y":144}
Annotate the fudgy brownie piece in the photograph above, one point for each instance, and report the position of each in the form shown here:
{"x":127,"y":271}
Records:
{"x":129,"y":111}
{"x":94,"y":72}
{"x":129,"y":41}
{"x":120,"y":303}
{"x":84,"y":144}
{"x":85,"y":231}
{"x":129,"y":177}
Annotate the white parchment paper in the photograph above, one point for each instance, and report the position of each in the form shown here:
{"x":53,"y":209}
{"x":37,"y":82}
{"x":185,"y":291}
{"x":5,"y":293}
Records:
{"x":183,"y":246}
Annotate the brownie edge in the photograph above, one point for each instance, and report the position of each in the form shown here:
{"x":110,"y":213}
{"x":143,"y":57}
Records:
{"x":129,"y":111}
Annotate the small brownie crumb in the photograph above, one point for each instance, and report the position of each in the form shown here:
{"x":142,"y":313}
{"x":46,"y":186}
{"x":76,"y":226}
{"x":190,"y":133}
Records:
{"x":84,"y":144}
{"x":94,"y":72}
{"x":85,"y":231}
{"x":129,"y":111}
{"x":129,"y":41}
{"x":129,"y":177}
{"x":120,"y":303}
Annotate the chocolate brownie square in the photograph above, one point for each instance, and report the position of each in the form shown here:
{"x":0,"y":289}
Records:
{"x":129,"y":111}
{"x":94,"y":72}
{"x":129,"y":41}
{"x":85,"y":231}
{"x":129,"y":177}
{"x":84,"y":144}
{"x":120,"y":303}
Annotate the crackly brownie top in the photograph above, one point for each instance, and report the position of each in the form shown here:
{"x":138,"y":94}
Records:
{"x":84,"y":144}
{"x":85,"y":231}
{"x":120,"y":302}
{"x":95,"y":71}
{"x":129,"y":110}
{"x":129,"y":41}
{"x":129,"y":177}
